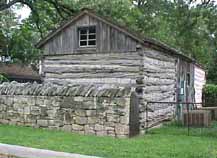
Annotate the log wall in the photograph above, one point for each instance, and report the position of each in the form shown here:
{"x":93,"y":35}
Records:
{"x":122,"y":68}
{"x":159,"y":85}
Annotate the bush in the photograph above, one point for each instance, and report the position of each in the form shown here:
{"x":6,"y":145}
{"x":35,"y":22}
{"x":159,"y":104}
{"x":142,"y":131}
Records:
{"x":3,"y":78}
{"x":210,"y":95}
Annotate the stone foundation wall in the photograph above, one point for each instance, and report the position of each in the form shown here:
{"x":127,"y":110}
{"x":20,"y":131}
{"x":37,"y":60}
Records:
{"x":77,"y":108}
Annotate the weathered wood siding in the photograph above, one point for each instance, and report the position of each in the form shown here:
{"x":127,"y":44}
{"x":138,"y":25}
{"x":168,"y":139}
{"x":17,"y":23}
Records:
{"x":199,"y":82}
{"x":159,"y":85}
{"x":185,"y":68}
{"x":109,"y":39}
{"x":122,"y":68}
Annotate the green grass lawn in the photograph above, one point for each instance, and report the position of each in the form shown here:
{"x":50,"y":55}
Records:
{"x":169,"y":141}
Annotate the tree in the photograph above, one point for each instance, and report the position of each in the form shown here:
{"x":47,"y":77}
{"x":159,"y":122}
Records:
{"x":8,"y":24}
{"x":63,"y":10}
{"x":17,"y":39}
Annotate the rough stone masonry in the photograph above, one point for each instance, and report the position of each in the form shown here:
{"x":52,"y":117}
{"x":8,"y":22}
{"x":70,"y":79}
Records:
{"x":84,"y":109}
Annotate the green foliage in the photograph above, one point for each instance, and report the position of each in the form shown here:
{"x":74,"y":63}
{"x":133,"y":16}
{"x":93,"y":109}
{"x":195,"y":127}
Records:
{"x":3,"y":78}
{"x":212,"y":67}
{"x":8,"y":24}
{"x":210,"y":90}
{"x":22,"y":44}
{"x":17,"y":39}
{"x":210,"y":94}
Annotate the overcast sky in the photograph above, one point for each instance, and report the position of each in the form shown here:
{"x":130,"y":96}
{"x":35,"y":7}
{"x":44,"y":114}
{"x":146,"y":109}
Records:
{"x":23,"y":12}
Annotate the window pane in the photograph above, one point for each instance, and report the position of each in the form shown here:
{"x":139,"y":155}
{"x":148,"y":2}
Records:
{"x":92,"y":43}
{"x":92,"y":36}
{"x":92,"y":30}
{"x":83,"y":43}
{"x":83,"y":31}
{"x":83,"y":37}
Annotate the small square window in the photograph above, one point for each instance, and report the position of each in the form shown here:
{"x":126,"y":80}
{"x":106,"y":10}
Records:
{"x":87,"y":36}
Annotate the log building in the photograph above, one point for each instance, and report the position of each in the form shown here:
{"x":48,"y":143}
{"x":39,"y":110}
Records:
{"x":93,"y":49}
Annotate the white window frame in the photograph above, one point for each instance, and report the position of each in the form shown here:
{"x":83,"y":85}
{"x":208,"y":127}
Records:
{"x":87,"y":40}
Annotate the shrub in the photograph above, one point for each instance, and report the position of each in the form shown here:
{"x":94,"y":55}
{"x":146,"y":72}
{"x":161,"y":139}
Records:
{"x":3,"y":78}
{"x":210,"y":95}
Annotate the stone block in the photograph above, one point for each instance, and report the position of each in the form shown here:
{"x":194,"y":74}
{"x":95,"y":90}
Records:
{"x":40,"y":102}
{"x":80,"y":112}
{"x":80,"y":132}
{"x":99,"y":127}
{"x":124,"y":120}
{"x":121,"y":129}
{"x":112,"y":118}
{"x":101,"y":133}
{"x":109,"y":124}
{"x":78,"y":99}
{"x":12,"y":122}
{"x":111,"y":133}
{"x":67,"y":102}
{"x":109,"y":128}
{"x":77,"y":127}
{"x":32,"y":101}
{"x":90,"y":113}
{"x":88,"y":127}
{"x":89,"y":130}
{"x":35,"y":110}
{"x":9,"y":101}
{"x":26,"y":110}
{"x":4,"y":121}
{"x":58,"y":123}
{"x":67,"y":128}
{"x":42,"y":123}
{"x":67,"y":117}
{"x":52,"y":112}
{"x":43,"y":112}
{"x":56,"y":101}
{"x":81,"y":120}
{"x":51,"y":122}
{"x":92,"y":120}
{"x":48,"y":101}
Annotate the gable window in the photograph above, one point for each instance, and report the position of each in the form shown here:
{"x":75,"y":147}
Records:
{"x":87,"y":36}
